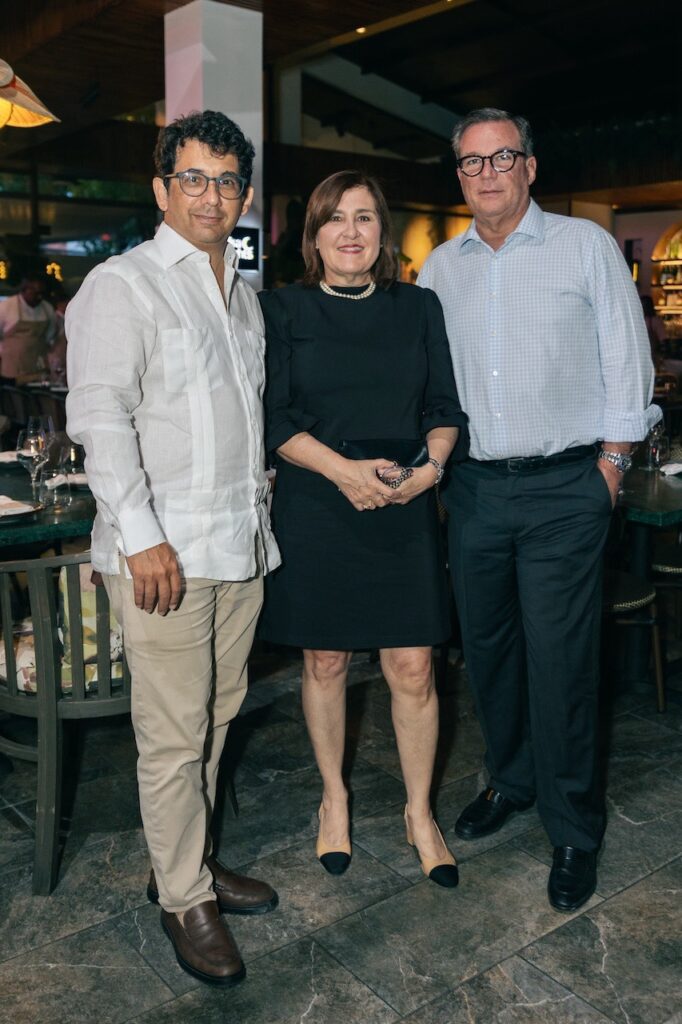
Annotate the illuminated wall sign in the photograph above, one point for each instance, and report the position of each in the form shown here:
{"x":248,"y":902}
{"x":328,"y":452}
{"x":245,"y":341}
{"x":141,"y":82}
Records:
{"x":246,"y":241}
{"x":54,"y":270}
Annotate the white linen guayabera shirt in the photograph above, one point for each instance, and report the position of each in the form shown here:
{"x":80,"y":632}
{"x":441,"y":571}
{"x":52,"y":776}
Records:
{"x":166,"y":388}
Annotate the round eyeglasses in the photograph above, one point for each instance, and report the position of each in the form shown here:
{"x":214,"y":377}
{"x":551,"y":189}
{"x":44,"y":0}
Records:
{"x":503,"y":160}
{"x":194,"y":183}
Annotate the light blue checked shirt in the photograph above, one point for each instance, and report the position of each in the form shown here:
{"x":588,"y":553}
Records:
{"x":547,"y":337}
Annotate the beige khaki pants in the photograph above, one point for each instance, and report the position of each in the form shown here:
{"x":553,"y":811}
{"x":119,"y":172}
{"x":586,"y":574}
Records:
{"x":188,"y":673}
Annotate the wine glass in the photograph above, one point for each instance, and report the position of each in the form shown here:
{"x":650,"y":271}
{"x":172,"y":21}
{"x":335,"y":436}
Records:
{"x":32,"y":453}
{"x":653,"y":448}
{"x":663,"y":450}
{"x":55,"y":490}
{"x":44,"y":423}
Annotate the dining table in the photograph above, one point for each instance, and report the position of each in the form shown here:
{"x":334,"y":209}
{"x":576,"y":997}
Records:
{"x":42,"y":525}
{"x":649,"y":501}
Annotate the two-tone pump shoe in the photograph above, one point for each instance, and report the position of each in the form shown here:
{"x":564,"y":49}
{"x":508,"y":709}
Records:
{"x":334,"y":859}
{"x":443,"y":870}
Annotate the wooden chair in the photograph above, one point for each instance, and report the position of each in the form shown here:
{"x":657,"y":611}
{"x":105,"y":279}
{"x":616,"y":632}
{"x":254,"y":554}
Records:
{"x":625,"y":598}
{"x":53,"y":702}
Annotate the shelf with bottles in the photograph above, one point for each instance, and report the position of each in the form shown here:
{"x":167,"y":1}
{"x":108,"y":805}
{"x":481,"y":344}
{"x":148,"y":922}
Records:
{"x":667,"y":273}
{"x":673,"y":333}
{"x":666,"y":281}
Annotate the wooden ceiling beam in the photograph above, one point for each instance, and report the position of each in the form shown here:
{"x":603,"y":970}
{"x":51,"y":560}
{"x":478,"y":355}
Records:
{"x":32,"y":24}
{"x":372,"y":28}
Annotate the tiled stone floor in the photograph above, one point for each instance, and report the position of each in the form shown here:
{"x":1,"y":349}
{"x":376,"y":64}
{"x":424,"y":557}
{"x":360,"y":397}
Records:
{"x":380,"y":944}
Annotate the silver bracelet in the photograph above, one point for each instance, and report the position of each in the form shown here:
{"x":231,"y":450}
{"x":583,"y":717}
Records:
{"x":620,"y":460}
{"x":438,"y":466}
{"x":404,"y":474}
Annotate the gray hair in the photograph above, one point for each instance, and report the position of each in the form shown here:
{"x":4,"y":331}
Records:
{"x":487,"y":114}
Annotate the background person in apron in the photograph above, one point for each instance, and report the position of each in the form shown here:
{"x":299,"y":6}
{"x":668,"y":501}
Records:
{"x":27,"y":330}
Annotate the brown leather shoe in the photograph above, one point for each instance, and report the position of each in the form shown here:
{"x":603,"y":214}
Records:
{"x":203,"y":945}
{"x":236,"y":894}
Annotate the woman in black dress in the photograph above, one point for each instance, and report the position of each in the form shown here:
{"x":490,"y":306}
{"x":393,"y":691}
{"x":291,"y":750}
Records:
{"x":352,"y":355}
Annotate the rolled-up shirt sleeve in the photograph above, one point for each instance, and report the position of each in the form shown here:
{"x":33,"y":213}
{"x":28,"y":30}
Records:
{"x":110,"y":338}
{"x":441,"y":401}
{"x":283,"y":417}
{"x":624,"y":349}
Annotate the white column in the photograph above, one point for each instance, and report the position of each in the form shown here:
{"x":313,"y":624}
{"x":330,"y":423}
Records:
{"x":214,"y":61}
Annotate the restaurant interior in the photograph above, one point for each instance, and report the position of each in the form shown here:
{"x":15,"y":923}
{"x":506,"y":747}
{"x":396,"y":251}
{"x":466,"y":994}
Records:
{"x":321,"y":86}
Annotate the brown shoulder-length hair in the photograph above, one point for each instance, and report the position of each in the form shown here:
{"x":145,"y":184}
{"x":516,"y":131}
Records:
{"x":321,"y":205}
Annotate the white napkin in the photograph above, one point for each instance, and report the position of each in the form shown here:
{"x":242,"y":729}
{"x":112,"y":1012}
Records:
{"x":671,"y":468}
{"x":55,"y":481}
{"x":10,"y":507}
{"x":8,"y":456}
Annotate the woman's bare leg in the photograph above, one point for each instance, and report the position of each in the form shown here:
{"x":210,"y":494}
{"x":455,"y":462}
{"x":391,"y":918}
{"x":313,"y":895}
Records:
{"x":414,"y":707}
{"x":324,"y":707}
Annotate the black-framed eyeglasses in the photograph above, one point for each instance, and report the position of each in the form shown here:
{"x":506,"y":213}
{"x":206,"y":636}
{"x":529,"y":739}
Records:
{"x":194,"y":183}
{"x":503,"y":160}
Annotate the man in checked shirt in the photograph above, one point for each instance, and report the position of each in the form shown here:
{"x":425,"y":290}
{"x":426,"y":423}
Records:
{"x":552,"y":364}
{"x":165,"y":364}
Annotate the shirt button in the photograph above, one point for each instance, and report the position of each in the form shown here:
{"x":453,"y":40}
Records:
{"x":494,"y":373}
{"x":498,"y":415}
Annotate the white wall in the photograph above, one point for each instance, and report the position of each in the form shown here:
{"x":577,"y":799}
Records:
{"x":600,"y":213}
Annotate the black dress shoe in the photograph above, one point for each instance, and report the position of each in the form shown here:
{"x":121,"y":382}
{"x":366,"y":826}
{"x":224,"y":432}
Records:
{"x":573,"y":878}
{"x":486,"y":814}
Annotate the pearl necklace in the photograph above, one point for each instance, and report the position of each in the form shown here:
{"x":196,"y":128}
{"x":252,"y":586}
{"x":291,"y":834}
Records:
{"x":342,"y":295}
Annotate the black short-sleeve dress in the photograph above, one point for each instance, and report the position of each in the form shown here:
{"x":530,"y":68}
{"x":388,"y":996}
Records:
{"x":378,"y":367}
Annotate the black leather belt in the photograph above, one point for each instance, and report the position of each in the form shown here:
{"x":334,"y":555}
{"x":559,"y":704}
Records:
{"x":533,"y":462}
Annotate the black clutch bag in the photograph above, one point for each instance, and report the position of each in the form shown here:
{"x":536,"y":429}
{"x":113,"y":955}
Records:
{"x":405,"y":452}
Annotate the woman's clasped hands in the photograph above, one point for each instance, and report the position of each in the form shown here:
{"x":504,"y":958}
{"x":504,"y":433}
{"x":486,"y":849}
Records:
{"x":365,"y":483}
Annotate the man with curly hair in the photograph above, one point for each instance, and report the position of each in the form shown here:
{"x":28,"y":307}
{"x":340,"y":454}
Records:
{"x":165,"y":364}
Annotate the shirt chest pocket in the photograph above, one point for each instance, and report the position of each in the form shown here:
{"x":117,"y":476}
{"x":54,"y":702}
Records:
{"x":190,"y":360}
{"x":252,"y":350}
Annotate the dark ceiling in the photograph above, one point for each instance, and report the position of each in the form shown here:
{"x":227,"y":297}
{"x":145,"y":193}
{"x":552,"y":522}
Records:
{"x":560,"y":62}
{"x":599,"y":80}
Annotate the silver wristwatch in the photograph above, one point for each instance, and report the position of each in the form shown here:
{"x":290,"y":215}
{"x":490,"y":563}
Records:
{"x":438,"y":466}
{"x":620,"y":460}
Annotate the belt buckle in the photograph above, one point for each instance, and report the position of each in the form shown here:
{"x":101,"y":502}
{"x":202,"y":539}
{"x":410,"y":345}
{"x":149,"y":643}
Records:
{"x":516,"y":465}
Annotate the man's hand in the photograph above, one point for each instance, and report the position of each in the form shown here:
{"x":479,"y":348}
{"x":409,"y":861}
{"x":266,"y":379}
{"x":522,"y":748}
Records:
{"x":613,"y":477}
{"x":156,"y":578}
